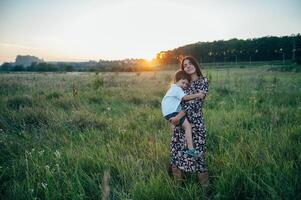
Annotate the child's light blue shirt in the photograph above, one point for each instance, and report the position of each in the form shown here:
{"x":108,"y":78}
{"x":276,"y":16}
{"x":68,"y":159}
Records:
{"x":172,"y":100}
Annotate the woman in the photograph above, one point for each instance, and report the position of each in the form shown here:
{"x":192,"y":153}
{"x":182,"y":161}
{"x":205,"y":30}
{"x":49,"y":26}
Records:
{"x":179,"y":160}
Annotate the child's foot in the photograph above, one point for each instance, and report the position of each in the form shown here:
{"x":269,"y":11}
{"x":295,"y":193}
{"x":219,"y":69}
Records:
{"x":192,"y":152}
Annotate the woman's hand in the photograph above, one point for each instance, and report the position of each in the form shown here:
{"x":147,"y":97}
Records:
{"x":174,"y":120}
{"x":201,"y":95}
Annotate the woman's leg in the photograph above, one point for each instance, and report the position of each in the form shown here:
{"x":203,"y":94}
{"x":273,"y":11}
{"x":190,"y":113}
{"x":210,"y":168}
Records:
{"x":203,"y":178}
{"x":177,"y":174}
{"x":188,"y":135}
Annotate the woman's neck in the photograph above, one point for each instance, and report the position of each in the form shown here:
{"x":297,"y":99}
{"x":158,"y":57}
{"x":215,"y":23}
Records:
{"x":194,"y":76}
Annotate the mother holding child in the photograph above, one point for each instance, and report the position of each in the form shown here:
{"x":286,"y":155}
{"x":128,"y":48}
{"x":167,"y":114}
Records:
{"x":182,"y":107}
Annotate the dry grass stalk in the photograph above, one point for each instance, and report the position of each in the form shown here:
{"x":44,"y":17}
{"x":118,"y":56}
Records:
{"x":74,"y":89}
{"x":106,"y":186}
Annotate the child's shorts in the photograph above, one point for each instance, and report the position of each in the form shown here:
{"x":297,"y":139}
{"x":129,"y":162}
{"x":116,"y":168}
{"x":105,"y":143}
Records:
{"x":173,"y":115}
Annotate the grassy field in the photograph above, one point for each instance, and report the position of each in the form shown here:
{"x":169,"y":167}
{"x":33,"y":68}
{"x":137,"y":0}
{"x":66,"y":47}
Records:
{"x":85,"y":135}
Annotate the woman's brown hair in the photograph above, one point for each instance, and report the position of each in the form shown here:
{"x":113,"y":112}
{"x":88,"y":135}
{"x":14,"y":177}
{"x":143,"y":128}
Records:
{"x":195,"y":64}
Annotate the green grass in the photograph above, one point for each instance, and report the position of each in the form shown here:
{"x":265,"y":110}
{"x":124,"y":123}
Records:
{"x":57,"y":144}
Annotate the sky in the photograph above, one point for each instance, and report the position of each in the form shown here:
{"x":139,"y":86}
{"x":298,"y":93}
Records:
{"x":82,"y":30}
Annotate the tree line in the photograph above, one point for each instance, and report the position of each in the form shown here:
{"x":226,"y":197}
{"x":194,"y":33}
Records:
{"x":127,"y":65}
{"x":267,"y":48}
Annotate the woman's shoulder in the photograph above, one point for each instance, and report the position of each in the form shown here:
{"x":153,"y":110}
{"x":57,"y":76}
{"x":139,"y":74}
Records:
{"x":202,"y":79}
{"x":205,"y":78}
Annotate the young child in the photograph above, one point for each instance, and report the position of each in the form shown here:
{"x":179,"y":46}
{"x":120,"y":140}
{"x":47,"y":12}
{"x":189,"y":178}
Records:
{"x":171,"y":106}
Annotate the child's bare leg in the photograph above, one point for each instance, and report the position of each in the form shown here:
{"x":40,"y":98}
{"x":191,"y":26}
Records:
{"x":188,"y":135}
{"x":172,"y":129}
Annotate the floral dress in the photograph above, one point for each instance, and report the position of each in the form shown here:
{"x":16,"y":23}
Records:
{"x":194,"y":115}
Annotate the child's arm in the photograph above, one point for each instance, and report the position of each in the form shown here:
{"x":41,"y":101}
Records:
{"x":193,"y":96}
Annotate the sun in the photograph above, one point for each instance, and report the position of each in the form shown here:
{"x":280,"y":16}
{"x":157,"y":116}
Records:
{"x":148,"y":58}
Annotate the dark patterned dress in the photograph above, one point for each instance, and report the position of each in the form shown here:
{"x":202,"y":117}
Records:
{"x":194,"y":114}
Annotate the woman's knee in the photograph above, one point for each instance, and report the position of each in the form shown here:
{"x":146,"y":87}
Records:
{"x":187,"y":125}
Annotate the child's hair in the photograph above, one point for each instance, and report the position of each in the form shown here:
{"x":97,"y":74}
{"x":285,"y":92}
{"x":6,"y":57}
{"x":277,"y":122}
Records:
{"x":180,"y":74}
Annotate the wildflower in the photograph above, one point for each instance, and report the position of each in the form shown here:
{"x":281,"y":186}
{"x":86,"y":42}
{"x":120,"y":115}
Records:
{"x":41,"y":152}
{"x":57,"y":154}
{"x":57,"y":167}
{"x":44,"y":185}
{"x":27,"y":153}
{"x":222,"y":103}
{"x":122,"y":130}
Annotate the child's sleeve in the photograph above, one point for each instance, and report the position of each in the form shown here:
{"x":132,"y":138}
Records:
{"x":180,"y":93}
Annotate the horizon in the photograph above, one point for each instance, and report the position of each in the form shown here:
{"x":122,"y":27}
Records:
{"x":80,"y":31}
{"x":97,"y":60}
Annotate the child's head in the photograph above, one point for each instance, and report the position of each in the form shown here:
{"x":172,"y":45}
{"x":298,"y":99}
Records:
{"x":181,"y":79}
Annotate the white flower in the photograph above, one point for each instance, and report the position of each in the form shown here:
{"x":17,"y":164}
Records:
{"x":57,"y":154}
{"x":41,"y":152}
{"x":44,"y":185}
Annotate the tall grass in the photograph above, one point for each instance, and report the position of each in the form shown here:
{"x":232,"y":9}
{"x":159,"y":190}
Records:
{"x":110,"y":138}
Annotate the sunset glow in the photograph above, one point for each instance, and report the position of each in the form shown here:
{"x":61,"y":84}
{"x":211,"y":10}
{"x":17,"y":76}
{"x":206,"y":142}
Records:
{"x":92,"y":30}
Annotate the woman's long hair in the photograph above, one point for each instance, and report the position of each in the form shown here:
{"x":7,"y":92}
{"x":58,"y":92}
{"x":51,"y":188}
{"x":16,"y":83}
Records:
{"x":195,"y":64}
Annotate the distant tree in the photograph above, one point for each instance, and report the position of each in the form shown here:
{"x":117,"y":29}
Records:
{"x":68,"y":68}
{"x":6,"y":66}
{"x":235,"y":50}
{"x":42,"y":67}
{"x":18,"y":68}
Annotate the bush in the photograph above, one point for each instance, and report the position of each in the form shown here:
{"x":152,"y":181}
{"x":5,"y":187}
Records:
{"x":136,"y":101}
{"x":155,"y":103}
{"x":98,"y":82}
{"x":54,"y":95}
{"x":289,"y":68}
{"x":10,"y":87}
{"x":95,"y":99}
{"x":35,"y":118}
{"x":66,"y":103}
{"x":86,"y":120}
{"x":24,"y":118}
{"x":223,"y":91}
{"x":18,"y":102}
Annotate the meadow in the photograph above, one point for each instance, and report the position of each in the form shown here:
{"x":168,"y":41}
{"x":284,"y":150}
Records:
{"x":91,"y":135}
